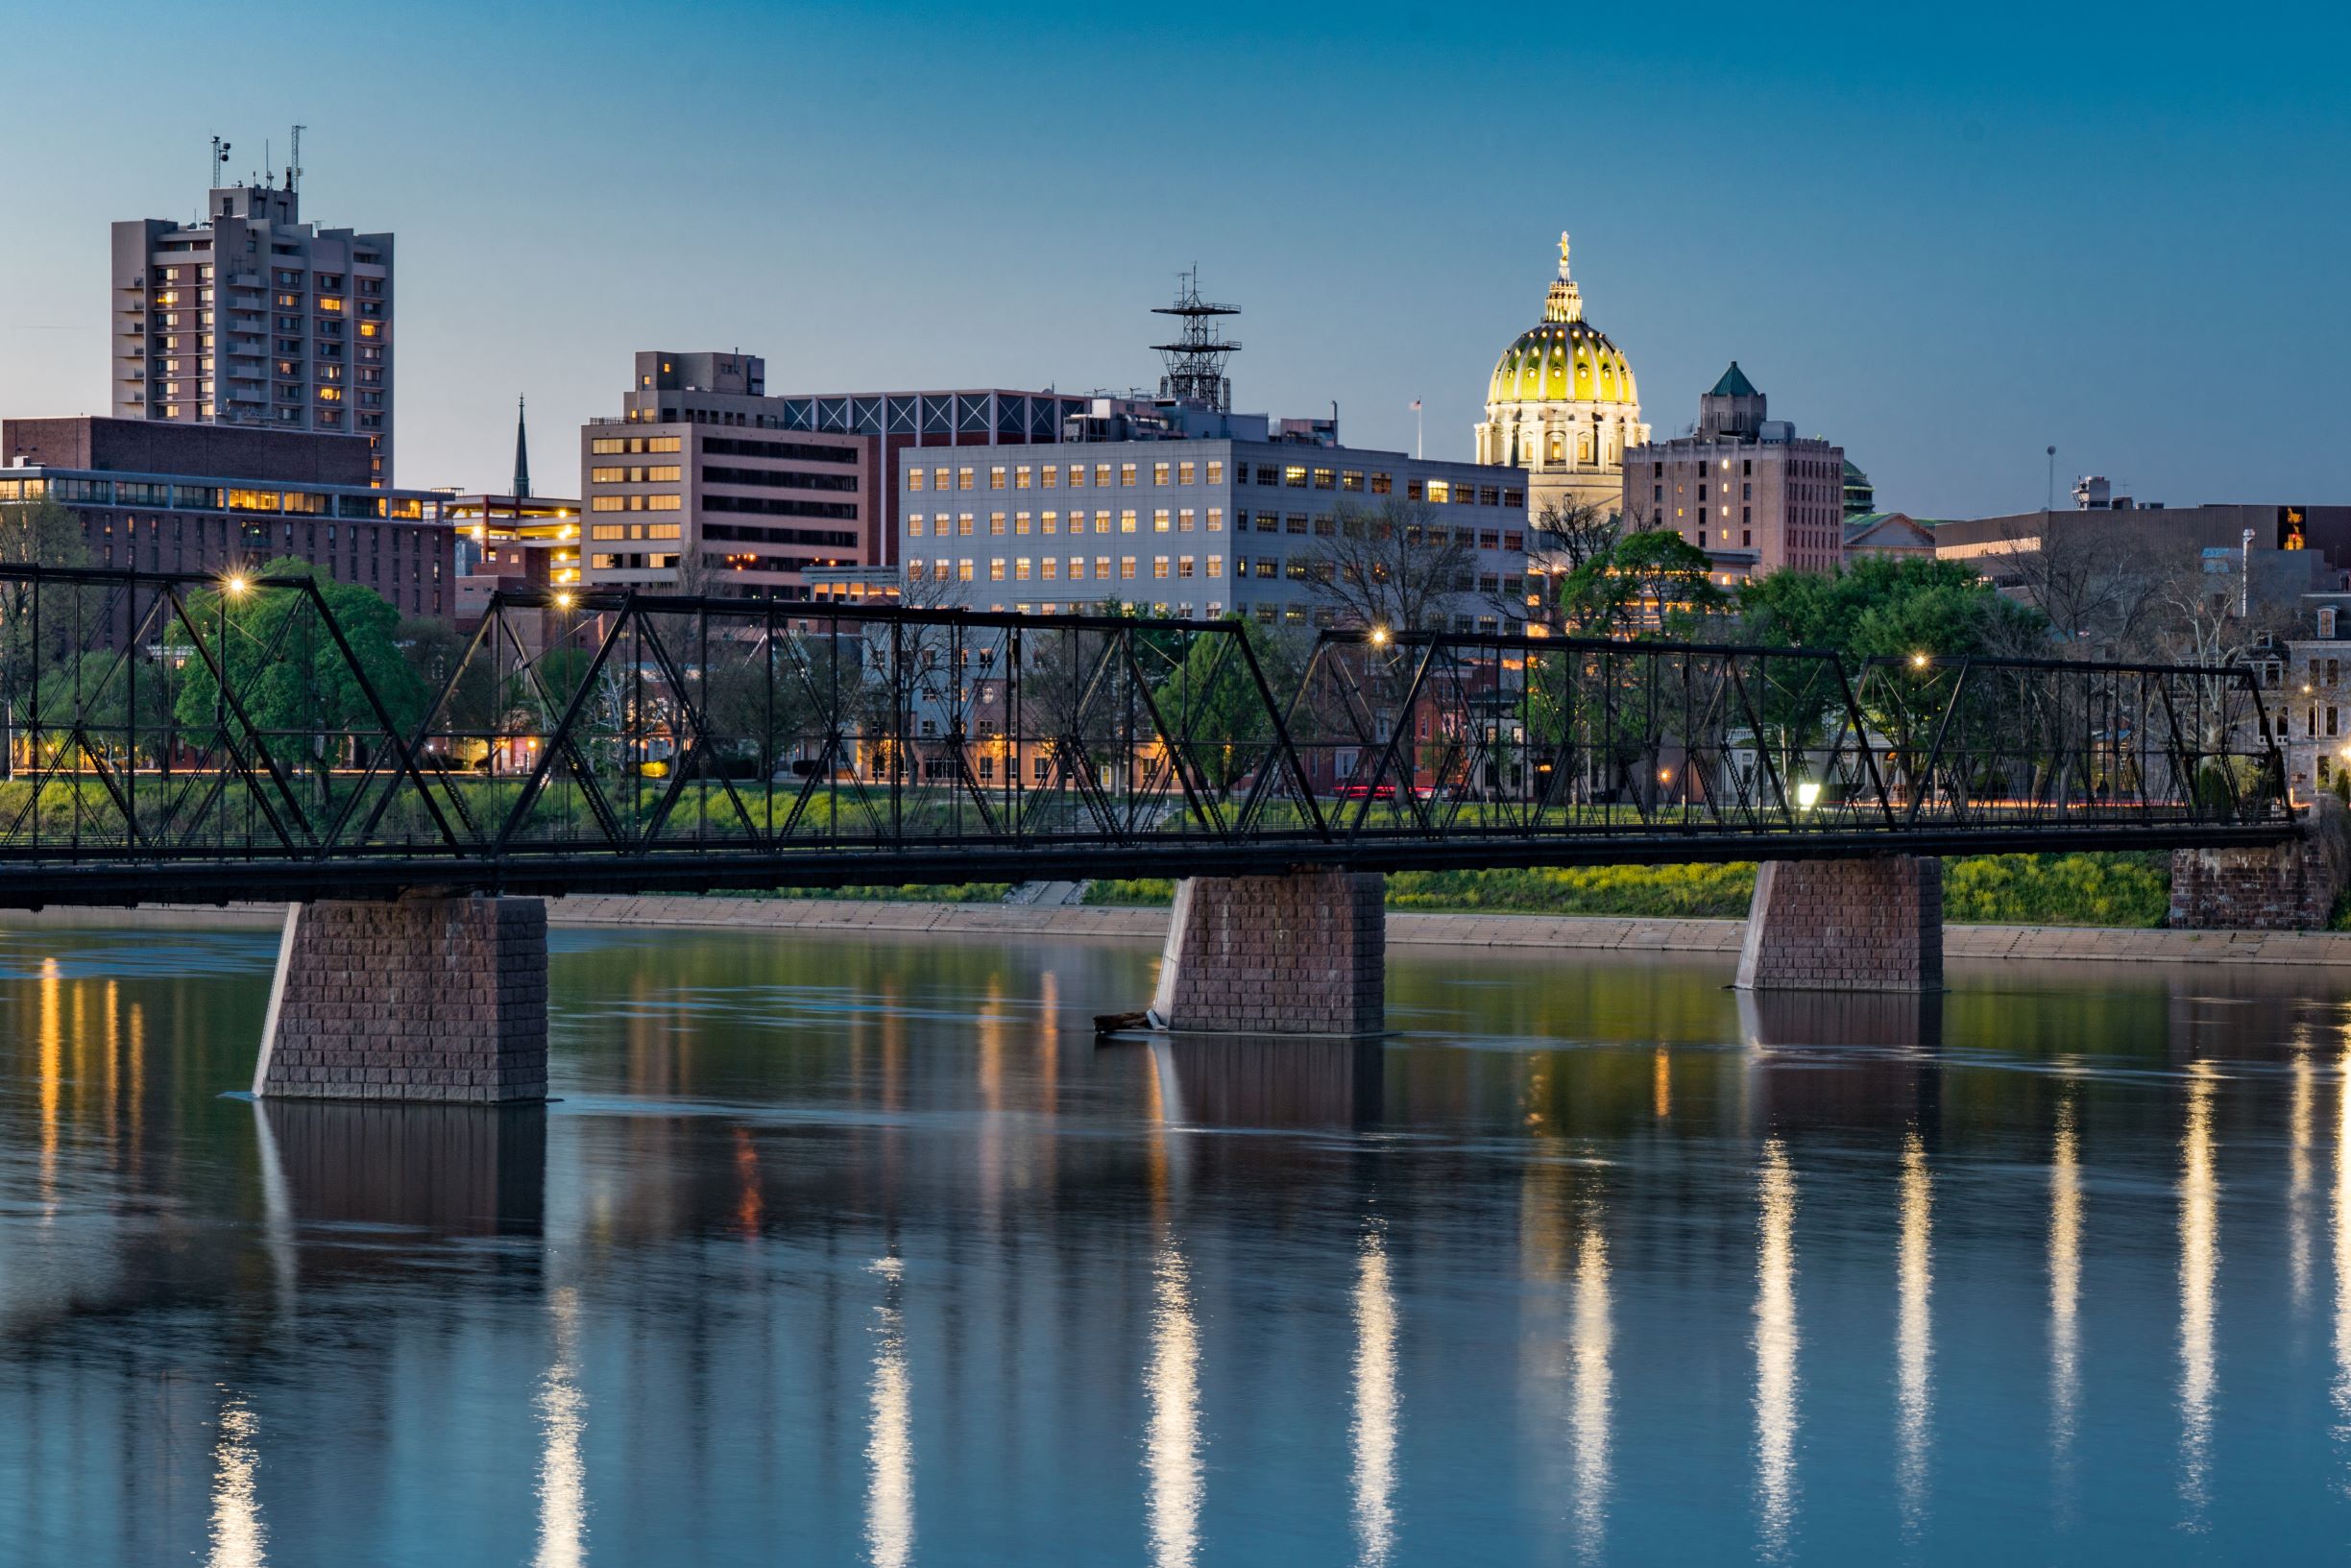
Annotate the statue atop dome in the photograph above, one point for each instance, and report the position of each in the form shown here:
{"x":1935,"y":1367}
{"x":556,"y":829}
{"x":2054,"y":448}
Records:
{"x":1562,"y":255}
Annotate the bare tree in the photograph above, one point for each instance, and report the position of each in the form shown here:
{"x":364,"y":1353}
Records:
{"x":1562,"y":533}
{"x":2094,"y":581}
{"x":1392,"y":565}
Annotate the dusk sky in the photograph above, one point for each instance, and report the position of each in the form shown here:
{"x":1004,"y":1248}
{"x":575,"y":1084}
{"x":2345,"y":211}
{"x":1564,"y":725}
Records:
{"x":1944,"y":244}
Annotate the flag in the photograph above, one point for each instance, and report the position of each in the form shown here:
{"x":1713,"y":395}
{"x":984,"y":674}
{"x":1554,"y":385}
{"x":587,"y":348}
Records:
{"x":1416,"y":405}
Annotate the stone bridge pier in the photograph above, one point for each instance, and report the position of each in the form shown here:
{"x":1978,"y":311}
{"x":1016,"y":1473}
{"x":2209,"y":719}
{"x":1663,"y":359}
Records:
{"x":1870,"y":924}
{"x":2291,"y":886}
{"x":428,"y":997}
{"x":1296,"y":952}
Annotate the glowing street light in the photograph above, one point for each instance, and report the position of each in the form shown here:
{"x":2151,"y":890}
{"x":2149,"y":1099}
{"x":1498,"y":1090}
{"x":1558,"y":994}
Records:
{"x":1379,"y":637}
{"x":563,"y":600}
{"x":1807,"y":795}
{"x":1918,"y":661}
{"x":237,"y":584}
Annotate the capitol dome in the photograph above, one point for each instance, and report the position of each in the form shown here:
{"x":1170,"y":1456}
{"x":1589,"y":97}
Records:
{"x":1563,"y":404}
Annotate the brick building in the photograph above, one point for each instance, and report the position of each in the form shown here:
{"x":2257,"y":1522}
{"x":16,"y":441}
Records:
{"x":1745,"y":489}
{"x":215,"y":498}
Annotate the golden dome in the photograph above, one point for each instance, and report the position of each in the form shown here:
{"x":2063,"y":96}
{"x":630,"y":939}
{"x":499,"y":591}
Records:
{"x":1564,"y":359}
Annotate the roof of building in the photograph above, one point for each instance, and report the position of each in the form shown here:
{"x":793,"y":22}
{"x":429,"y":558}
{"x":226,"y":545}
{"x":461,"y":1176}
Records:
{"x":1853,"y":471}
{"x":1885,"y":528}
{"x":1734,"y":384}
{"x":1563,"y":358}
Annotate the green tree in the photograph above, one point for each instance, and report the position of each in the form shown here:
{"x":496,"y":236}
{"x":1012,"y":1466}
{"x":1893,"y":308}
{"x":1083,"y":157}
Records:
{"x":286,"y":670}
{"x":1651,"y":582}
{"x":37,"y":621}
{"x":1887,"y":607}
{"x":1212,"y":703}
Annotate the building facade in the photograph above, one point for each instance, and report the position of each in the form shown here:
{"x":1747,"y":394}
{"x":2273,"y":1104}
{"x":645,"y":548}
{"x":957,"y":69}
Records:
{"x":1220,"y":514}
{"x":1563,"y":405}
{"x":220,"y":500}
{"x":510,"y":541}
{"x":1745,"y":489}
{"x":670,"y":387}
{"x":254,"y":317}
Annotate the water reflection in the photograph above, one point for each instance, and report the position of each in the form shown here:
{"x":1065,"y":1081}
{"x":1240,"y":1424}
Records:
{"x":1591,"y":1336}
{"x":2065,"y":1286}
{"x":2300,"y":1116}
{"x":562,"y":1416}
{"x":1171,"y":1453}
{"x":889,"y":1444}
{"x":1240,"y":1081}
{"x":1775,"y":1342}
{"x":1914,"y":1329}
{"x":239,"y":1539}
{"x":1376,"y":1401}
{"x":2199,"y":1266}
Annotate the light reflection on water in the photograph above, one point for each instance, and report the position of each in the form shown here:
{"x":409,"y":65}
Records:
{"x":1600,"y":1264}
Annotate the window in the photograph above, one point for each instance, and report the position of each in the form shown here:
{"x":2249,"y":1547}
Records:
{"x":1184,"y":566}
{"x":1185,"y":471}
{"x":1159,"y":521}
{"x":1052,"y":521}
{"x":2326,"y":625}
{"x":1379,"y":484}
{"x":1102,"y":475}
{"x":915,"y":525}
{"x":1126,"y":563}
{"x":1295,"y":523}
{"x":1216,"y":566}
{"x":914,"y":478}
{"x":963,"y":524}
{"x":1159,"y":473}
{"x":1183,"y":520}
{"x":963,"y":569}
{"x":1216,"y":471}
{"x":996,"y":477}
{"x":1159,"y":566}
{"x":939,"y":478}
{"x":1326,"y":479}
{"x":1020,"y":522}
{"x":1294,"y":474}
{"x":995,"y":569}
{"x":1076,"y":568}
{"x":1216,"y":520}
{"x":1102,"y":567}
{"x":1126,"y":475}
{"x":964,"y":478}
{"x":1047,"y":565}
{"x":996,"y":523}
{"x":1020,"y":477}
{"x":1077,"y":476}
{"x":1127,"y":521}
{"x":1101,"y":522}
{"x":1047,"y":476}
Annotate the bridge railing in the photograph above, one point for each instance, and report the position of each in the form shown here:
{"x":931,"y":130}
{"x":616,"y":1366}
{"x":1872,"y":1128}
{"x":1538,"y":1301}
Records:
{"x":162,"y":717}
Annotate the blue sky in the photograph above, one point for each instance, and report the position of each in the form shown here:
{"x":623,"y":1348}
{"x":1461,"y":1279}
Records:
{"x":1946,"y":242}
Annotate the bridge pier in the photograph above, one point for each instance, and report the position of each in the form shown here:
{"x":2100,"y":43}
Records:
{"x":437,"y":999}
{"x":1301,"y":953}
{"x":2291,"y":886}
{"x":1873,"y":924}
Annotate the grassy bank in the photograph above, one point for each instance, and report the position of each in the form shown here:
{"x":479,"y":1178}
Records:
{"x":2124,"y":889}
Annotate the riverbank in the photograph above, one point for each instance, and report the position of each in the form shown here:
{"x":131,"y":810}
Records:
{"x":1582,"y":934}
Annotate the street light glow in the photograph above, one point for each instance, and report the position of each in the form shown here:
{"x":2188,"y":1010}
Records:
{"x":237,"y":584}
{"x":563,"y":601}
{"x":1807,"y":795}
{"x":1918,"y":661}
{"x":1379,"y":637}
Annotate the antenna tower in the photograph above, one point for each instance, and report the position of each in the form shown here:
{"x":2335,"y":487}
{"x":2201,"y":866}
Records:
{"x":1195,"y":361}
{"x":294,"y":161}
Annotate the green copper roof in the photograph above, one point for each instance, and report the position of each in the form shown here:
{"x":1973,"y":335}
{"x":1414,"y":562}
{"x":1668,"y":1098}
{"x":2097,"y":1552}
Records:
{"x":1734,"y":384}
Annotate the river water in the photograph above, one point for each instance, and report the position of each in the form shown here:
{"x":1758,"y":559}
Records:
{"x":859,"y":1249}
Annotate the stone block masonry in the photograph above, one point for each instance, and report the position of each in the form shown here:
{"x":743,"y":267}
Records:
{"x":1304,"y":952}
{"x":2286,"y":887}
{"x":426,"y":998}
{"x":1864,"y":924}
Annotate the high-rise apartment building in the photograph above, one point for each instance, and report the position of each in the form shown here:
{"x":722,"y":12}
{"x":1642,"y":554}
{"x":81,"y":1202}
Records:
{"x":254,"y":317}
{"x":1745,"y":489}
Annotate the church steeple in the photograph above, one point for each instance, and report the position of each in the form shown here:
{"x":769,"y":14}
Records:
{"x":522,"y":474}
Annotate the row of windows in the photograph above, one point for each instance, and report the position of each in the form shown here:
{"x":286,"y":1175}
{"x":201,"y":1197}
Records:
{"x":617,"y":446}
{"x":1182,"y":520}
{"x":1050,"y":475}
{"x":636,"y":530}
{"x":794,"y":451}
{"x":778,"y":506}
{"x":634,"y":503}
{"x":636,"y":474}
{"x":777,"y":478}
{"x":1050,"y":569}
{"x":74,"y":491}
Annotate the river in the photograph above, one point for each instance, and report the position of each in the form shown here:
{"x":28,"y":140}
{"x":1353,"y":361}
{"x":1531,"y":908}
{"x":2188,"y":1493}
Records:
{"x":843,"y":1250}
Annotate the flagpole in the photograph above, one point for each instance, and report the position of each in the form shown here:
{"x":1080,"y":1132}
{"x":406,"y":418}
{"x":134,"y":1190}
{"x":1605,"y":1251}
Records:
{"x":1416,"y":429}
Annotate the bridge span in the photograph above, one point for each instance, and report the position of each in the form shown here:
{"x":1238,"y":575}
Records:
{"x":170,"y":738}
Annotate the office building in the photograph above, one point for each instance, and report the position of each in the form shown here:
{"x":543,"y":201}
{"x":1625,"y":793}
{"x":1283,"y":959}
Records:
{"x":215,"y":499}
{"x":520,"y":540}
{"x":254,"y":317}
{"x":731,"y":389}
{"x":1745,"y":489}
{"x":1563,"y":405}
{"x":1187,"y":512}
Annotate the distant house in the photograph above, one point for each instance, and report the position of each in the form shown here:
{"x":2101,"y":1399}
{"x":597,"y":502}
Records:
{"x":1887,"y":533}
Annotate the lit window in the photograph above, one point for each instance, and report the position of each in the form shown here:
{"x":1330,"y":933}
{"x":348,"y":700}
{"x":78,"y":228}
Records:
{"x":1102,"y":567}
{"x":963,"y":569}
{"x":1184,"y":566}
{"x":1048,"y":567}
{"x":1326,"y":479}
{"x":1216,"y":520}
{"x":1101,"y":522}
{"x":1127,"y":521}
{"x":1102,"y":475}
{"x":1126,"y":565}
{"x":1126,"y":475}
{"x":1047,"y":476}
{"x":1185,"y":471}
{"x":963,"y":524}
{"x":1020,"y":570}
{"x":939,"y":478}
{"x":1183,"y":521}
{"x":1216,"y":566}
{"x":1216,"y":471}
{"x":1076,"y":568}
{"x":914,"y":478}
{"x":1294,"y":474}
{"x":1020,"y":522}
{"x":1159,"y":521}
{"x":995,"y":569}
{"x":995,"y":478}
{"x":996,"y":523}
{"x":1159,"y":473}
{"x":964,"y":478}
{"x":915,"y":525}
{"x":1439,"y":492}
{"x":1053,"y":522}
{"x":1020,"y":477}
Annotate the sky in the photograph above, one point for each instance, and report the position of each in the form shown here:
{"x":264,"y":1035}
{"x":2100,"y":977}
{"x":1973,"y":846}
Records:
{"x":1946,"y":238}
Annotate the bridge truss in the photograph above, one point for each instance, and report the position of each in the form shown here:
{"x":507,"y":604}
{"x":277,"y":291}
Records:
{"x":168,"y":736}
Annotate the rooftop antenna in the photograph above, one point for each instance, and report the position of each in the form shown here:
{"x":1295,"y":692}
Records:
{"x":1195,"y":361}
{"x":2049,"y":502}
{"x":294,"y":161}
{"x":219,"y":164}
{"x":269,"y":170}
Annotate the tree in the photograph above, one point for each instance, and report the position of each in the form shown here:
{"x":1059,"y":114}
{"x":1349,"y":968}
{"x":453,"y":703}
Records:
{"x":1887,"y":607}
{"x":1212,"y":701}
{"x":1562,"y":533}
{"x":286,"y":671}
{"x":2090,"y":580}
{"x":37,"y":621}
{"x":1651,"y":580}
{"x":1392,"y":565}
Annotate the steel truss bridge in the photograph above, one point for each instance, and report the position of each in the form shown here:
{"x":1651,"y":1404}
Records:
{"x":167,"y":737}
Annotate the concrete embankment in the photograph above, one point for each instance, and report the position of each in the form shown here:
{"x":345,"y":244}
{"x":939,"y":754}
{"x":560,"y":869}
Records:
{"x":1405,"y":928}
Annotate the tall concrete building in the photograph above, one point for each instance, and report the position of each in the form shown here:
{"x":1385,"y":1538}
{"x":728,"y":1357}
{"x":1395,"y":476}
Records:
{"x":701,"y":388}
{"x":1745,"y":489}
{"x":1191,"y":512}
{"x":1563,"y":405}
{"x":254,"y":317}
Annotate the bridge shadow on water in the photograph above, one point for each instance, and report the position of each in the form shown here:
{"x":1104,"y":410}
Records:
{"x":1843,"y":1059}
{"x":1246,"y":1081}
{"x":442,"y":1172}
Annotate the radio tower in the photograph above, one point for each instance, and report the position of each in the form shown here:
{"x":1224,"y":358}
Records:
{"x":1195,"y":361}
